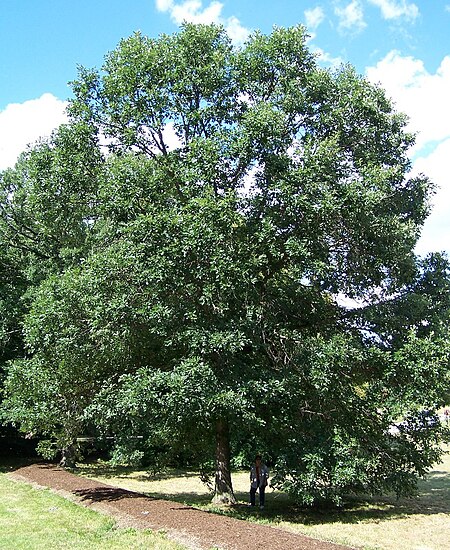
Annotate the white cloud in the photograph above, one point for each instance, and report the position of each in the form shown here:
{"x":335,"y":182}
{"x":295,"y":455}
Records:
{"x":436,"y":231}
{"x":236,"y":31}
{"x":393,"y":9}
{"x":163,"y":5}
{"x":24,"y":123}
{"x":192,"y":11}
{"x":423,"y":96}
{"x":170,"y":137}
{"x":351,"y":17}
{"x":326,"y":58}
{"x":314,"y":17}
{"x":419,"y":94}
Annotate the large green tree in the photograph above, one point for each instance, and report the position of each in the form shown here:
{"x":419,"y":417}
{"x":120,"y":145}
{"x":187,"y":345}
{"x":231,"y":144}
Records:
{"x":194,"y":233}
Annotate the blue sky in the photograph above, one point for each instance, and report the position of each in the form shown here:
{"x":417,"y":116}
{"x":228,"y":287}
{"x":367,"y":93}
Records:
{"x":402,"y":44}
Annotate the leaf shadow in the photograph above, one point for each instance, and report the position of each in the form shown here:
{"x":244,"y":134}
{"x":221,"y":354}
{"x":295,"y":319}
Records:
{"x":434,"y":498}
{"x":108,"y":494}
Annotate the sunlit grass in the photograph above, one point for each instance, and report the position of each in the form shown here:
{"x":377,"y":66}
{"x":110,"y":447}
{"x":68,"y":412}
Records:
{"x":383,"y":523}
{"x":36,"y":519}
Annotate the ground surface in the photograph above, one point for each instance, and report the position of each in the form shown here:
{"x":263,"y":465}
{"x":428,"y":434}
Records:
{"x":194,"y":528}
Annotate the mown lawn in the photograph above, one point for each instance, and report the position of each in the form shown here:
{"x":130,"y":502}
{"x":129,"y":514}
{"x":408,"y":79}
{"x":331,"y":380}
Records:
{"x":37,"y":519}
{"x":371,"y":524}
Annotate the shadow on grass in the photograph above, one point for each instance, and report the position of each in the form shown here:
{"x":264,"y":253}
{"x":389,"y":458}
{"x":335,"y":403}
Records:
{"x":434,"y":498}
{"x":123,"y":472}
{"x":108,"y":494}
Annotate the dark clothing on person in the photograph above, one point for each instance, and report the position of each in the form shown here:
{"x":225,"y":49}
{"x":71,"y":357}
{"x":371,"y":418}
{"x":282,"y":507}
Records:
{"x":259,"y":474}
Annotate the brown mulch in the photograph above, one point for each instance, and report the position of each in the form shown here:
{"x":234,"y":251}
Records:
{"x":194,"y":528}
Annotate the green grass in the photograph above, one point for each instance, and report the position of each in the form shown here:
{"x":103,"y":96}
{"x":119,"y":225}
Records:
{"x":37,"y":519}
{"x":371,"y":523}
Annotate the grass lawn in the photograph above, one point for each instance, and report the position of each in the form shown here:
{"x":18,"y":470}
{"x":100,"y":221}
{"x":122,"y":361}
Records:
{"x":40,"y":520}
{"x":383,"y":523}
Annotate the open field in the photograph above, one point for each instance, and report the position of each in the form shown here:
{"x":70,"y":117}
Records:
{"x":384,"y":523}
{"x":36,"y":519}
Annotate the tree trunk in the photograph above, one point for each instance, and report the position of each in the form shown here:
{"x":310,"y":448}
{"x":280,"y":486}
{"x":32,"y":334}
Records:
{"x":223,"y":490}
{"x":68,"y":459}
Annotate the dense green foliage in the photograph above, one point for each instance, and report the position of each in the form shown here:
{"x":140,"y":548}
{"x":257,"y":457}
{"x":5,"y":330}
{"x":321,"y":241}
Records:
{"x":187,"y":244}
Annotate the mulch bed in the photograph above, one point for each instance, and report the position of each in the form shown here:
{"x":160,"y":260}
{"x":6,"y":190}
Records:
{"x":194,"y":528}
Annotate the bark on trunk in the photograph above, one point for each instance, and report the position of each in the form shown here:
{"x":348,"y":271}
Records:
{"x":68,"y":459}
{"x":223,"y":491}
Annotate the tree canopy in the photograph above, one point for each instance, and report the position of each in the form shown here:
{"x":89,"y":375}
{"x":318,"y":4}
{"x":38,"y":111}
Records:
{"x":185,"y":247}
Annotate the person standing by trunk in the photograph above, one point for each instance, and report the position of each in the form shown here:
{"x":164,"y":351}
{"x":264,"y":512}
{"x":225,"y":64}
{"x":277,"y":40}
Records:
{"x":259,"y":474}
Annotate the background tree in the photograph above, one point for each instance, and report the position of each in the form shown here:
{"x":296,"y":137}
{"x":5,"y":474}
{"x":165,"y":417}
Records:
{"x":12,"y":287}
{"x":47,"y":206}
{"x":195,"y":297}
